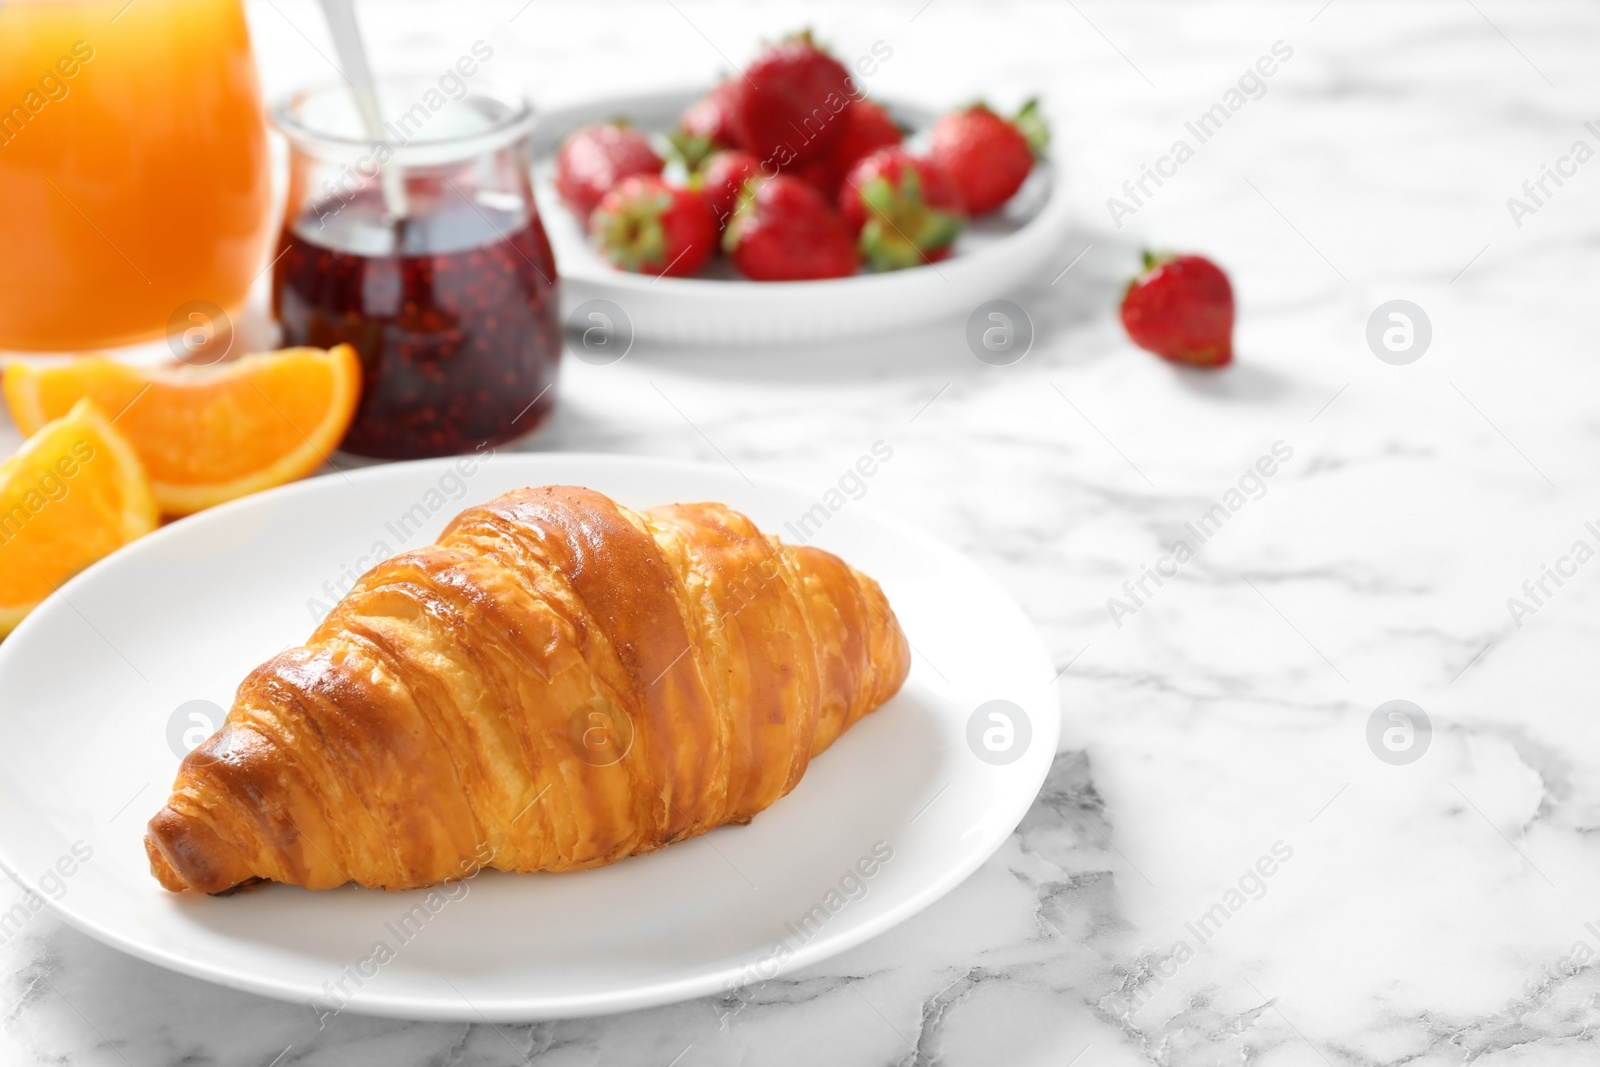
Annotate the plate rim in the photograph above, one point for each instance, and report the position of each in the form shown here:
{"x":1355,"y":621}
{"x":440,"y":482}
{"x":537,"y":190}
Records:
{"x":620,"y":998}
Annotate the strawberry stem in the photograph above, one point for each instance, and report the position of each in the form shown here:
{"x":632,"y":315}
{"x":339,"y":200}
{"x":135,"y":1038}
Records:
{"x":689,"y":148}
{"x":1030,"y":123}
{"x":730,"y":235}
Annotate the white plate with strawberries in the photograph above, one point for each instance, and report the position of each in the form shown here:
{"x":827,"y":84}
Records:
{"x":855,"y":224}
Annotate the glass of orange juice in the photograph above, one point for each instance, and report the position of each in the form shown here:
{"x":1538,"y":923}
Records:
{"x":134,"y":183}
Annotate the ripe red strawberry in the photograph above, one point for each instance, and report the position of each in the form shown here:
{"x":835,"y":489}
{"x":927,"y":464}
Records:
{"x":646,"y":226}
{"x":722,"y":178}
{"x":595,"y":158}
{"x":788,"y":105}
{"x":1181,"y":308}
{"x":867,"y":128}
{"x":906,"y":210}
{"x":784,"y":230}
{"x":987,"y":156}
{"x":706,"y":126}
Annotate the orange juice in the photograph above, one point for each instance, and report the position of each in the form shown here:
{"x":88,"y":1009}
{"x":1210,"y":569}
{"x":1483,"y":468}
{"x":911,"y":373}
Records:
{"x":133,"y":167}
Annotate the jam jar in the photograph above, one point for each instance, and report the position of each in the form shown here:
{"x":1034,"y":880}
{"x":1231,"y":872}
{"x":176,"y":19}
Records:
{"x":422,"y":248}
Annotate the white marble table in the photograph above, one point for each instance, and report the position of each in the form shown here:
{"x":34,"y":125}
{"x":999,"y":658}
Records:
{"x":1429,"y":913}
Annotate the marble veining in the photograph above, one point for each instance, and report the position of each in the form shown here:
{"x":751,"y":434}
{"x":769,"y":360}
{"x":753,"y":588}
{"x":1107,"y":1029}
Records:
{"x":1443,"y":911}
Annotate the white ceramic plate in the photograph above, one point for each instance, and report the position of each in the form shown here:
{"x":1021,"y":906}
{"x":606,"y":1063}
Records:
{"x":997,"y":255}
{"x":91,"y":681}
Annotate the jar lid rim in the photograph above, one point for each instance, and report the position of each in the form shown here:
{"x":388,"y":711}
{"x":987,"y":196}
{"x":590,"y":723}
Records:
{"x":404,"y":129}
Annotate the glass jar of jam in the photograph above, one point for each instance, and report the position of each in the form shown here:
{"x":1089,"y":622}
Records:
{"x":423,"y":249}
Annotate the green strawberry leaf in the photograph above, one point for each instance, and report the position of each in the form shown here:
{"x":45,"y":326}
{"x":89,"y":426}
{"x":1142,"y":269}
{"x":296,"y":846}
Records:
{"x":689,"y":148}
{"x":1030,"y":122}
{"x":741,"y":211}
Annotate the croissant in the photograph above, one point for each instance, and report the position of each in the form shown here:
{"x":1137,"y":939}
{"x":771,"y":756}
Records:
{"x":555,"y":684}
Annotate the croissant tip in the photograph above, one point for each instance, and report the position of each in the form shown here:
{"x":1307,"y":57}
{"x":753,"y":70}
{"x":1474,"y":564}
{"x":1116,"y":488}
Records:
{"x":164,"y":871}
{"x":186,"y":853}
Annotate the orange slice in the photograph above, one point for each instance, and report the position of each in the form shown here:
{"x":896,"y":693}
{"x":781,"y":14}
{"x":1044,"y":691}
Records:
{"x":74,"y":492}
{"x":207,"y":434}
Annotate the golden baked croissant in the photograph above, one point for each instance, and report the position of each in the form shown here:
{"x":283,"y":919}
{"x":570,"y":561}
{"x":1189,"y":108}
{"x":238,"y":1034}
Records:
{"x":557,"y":683}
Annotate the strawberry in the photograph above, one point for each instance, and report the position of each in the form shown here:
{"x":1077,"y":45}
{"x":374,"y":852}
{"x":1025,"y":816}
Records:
{"x":787,"y":106}
{"x":985,"y":155}
{"x":784,"y":230}
{"x":906,"y":210}
{"x":1181,"y":308}
{"x":595,"y":158}
{"x":867,"y":128}
{"x":706,"y":126}
{"x":722,"y":177}
{"x":646,"y":226}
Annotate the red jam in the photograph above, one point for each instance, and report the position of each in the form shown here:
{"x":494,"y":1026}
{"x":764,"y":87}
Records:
{"x":453,"y":310}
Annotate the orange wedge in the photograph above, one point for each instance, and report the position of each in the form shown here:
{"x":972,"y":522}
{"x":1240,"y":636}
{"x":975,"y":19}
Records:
{"x":207,"y":434}
{"x":74,"y":492}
